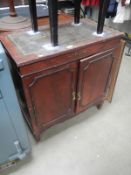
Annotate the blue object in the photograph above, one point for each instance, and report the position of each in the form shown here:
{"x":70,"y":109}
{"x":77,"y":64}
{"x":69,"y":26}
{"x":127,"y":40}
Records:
{"x":112,"y":6}
{"x":14,"y":142}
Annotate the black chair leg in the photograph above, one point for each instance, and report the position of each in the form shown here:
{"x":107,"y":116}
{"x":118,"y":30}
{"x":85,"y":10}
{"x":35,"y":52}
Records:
{"x":53,"y":17}
{"x":33,"y":14}
{"x":77,"y":4}
{"x":102,"y":14}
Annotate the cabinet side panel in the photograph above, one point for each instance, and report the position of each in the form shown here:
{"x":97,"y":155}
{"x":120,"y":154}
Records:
{"x":115,"y":69}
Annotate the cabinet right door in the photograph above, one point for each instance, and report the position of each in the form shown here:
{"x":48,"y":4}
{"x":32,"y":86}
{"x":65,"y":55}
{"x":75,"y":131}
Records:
{"x":94,"y":75}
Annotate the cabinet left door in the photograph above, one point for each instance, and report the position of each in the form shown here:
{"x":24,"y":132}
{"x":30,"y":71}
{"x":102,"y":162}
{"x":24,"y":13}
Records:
{"x":50,"y":95}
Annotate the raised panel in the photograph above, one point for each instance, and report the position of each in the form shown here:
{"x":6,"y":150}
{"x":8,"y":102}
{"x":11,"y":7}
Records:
{"x":93,"y":79}
{"x":51,"y":94}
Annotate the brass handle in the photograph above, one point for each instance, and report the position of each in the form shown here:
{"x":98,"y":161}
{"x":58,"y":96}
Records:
{"x":73,"y":95}
{"x":78,"y":96}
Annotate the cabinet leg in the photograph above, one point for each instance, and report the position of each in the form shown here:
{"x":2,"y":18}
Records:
{"x":99,"y":106}
{"x":37,"y":137}
{"x":36,"y":132}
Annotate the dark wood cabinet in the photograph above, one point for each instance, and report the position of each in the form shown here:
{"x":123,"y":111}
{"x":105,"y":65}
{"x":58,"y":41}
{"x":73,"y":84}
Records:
{"x":54,"y":85}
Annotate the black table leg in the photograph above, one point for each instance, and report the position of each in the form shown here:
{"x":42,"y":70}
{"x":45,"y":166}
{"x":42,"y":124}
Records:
{"x":102,"y":14}
{"x":77,"y":4}
{"x":53,"y":17}
{"x":33,"y":14}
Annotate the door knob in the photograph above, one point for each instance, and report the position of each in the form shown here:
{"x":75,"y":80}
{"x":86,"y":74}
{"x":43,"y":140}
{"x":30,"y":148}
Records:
{"x":73,"y":95}
{"x":78,"y":96}
{"x":1,"y":95}
{"x":1,"y":65}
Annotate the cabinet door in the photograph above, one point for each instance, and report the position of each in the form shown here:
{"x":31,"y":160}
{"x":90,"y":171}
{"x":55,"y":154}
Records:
{"x":51,"y":94}
{"x":94,"y":75}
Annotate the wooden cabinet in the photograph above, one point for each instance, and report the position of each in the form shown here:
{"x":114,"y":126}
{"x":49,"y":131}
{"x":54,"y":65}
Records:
{"x":60,"y":92}
{"x":54,"y":85}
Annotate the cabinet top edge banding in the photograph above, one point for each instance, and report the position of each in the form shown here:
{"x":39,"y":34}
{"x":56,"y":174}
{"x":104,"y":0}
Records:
{"x":15,"y":49}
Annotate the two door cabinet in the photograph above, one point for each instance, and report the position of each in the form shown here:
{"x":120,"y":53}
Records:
{"x":58,"y":84}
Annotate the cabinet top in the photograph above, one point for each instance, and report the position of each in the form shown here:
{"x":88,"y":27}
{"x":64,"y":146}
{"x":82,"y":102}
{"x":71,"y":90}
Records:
{"x":26,"y":47}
